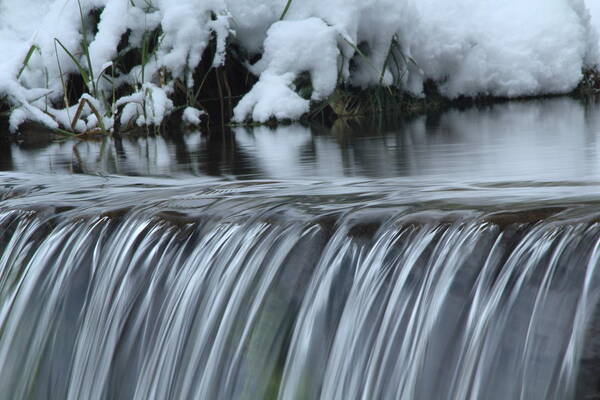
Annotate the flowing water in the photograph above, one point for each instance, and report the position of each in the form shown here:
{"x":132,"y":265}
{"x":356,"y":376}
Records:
{"x":453,"y":257}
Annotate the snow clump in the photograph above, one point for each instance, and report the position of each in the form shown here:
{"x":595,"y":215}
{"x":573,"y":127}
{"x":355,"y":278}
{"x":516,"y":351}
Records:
{"x":289,"y":50}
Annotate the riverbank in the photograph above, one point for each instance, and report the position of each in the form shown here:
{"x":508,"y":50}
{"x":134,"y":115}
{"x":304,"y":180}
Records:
{"x":106,"y":66}
{"x":365,"y":111}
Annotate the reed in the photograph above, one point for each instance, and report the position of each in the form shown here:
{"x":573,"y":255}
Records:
{"x":285,"y":10}
{"x":30,"y":53}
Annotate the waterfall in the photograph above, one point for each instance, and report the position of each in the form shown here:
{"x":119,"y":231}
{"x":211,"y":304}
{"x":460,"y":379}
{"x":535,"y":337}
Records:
{"x":407,"y":305}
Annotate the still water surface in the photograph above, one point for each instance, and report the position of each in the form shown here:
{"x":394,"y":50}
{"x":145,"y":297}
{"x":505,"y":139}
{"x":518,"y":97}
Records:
{"x":534,"y":141}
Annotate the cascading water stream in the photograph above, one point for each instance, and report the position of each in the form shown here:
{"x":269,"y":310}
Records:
{"x":134,"y":304}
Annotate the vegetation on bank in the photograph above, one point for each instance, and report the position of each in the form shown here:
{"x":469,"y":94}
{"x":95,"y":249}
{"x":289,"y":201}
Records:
{"x":217,"y":90}
{"x":223,"y":87}
{"x":137,"y":87}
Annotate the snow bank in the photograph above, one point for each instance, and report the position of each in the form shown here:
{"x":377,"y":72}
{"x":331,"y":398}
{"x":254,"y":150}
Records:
{"x":469,"y":47}
{"x":515,"y":48}
{"x":594,"y":8}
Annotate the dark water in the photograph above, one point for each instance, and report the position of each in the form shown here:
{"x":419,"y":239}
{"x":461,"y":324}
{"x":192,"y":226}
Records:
{"x":551,"y":140}
{"x":454,"y":256}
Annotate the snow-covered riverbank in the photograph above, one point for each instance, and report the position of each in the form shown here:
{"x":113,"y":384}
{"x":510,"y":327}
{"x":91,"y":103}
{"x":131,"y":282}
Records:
{"x":468,"y":47}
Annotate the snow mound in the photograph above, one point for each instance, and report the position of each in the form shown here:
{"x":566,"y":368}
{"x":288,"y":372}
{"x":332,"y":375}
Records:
{"x":468,"y":47}
{"x":291,"y":48}
{"x":511,"y":48}
{"x":192,"y":116}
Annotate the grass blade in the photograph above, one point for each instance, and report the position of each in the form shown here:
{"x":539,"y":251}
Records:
{"x":80,"y":68}
{"x":286,"y":9}
{"x":85,"y":47}
{"x":32,"y":49}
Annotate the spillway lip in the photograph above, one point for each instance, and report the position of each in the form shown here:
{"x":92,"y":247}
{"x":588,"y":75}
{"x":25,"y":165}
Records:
{"x":362,"y":204}
{"x":361,"y":222}
{"x":524,"y":216}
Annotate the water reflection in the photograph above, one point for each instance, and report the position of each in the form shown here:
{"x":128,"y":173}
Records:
{"x":6,"y":158}
{"x":555,"y":139}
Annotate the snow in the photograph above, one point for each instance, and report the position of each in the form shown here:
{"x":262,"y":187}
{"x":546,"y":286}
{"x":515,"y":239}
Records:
{"x":289,"y":50}
{"x":272,"y":96}
{"x":149,"y":106}
{"x":192,"y":116}
{"x":187,"y":26}
{"x":521,"y":48}
{"x":469,"y":47}
{"x":111,"y":27}
{"x":594,"y":9}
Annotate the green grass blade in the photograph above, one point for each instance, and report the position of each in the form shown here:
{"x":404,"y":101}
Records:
{"x":32,"y":49}
{"x":82,"y":71}
{"x":365,"y":57}
{"x":144,"y":56}
{"x":85,"y":47}
{"x":360,"y":53}
{"x":286,"y":9}
{"x":62,"y":78}
{"x":102,"y":75}
{"x":63,"y":132}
